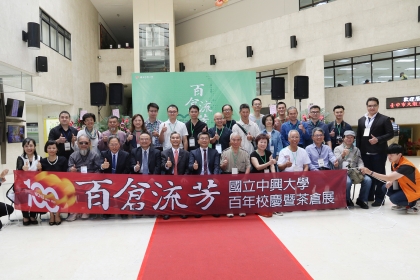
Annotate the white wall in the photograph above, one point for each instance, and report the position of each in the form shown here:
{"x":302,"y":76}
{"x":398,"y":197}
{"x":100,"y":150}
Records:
{"x":110,"y":59}
{"x":231,"y":16}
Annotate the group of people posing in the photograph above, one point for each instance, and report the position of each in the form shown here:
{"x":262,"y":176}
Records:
{"x":256,"y":143}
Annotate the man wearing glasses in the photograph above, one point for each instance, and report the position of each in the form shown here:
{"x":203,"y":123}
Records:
{"x":373,"y":132}
{"x":321,"y":156}
{"x":315,"y":114}
{"x":171,"y":125}
{"x":83,"y":160}
{"x":227,"y":116}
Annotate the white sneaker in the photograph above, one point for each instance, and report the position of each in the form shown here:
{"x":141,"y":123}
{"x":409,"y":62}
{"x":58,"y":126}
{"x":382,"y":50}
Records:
{"x":242,"y":214}
{"x":412,"y":210}
{"x":229,"y":215}
{"x":72,"y":217}
{"x":278,"y":213}
{"x":397,"y":207}
{"x":85,"y":216}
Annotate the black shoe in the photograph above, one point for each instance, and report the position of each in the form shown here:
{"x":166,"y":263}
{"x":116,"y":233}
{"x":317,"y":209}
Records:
{"x":124,"y":217}
{"x":27,"y":223}
{"x":350,"y":203}
{"x":362,"y":204}
{"x":166,"y":217}
{"x":371,"y":198}
{"x":197,"y":216}
{"x":34,"y":222}
{"x":184,"y":216}
{"x":377,"y":203}
{"x":106,"y":216}
{"x":216,"y":215}
{"x":1,"y":225}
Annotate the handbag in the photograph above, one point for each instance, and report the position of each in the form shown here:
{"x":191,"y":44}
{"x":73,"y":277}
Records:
{"x":355,"y":174}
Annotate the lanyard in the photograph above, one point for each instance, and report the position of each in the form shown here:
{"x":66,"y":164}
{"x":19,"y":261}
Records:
{"x":265,"y":158}
{"x":230,"y":127}
{"x":220,"y":133}
{"x":319,"y":151}
{"x":172,"y":129}
{"x":192,"y":130}
{"x":235,"y":158}
{"x":338,"y":127}
{"x":293,"y":154}
{"x":295,"y":126}
{"x":66,"y":134}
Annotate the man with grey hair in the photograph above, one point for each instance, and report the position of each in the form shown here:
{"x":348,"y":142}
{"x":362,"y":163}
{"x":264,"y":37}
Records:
{"x":349,"y":156}
{"x":294,"y":124}
{"x":235,"y":160}
{"x":293,"y":158}
{"x":83,"y":161}
{"x":320,"y":155}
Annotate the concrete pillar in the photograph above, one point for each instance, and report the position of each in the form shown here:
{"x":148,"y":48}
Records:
{"x":152,"y":11}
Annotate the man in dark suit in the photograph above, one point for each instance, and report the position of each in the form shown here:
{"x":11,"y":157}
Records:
{"x":174,"y":161}
{"x":168,"y":162}
{"x":202,"y":155}
{"x":373,"y":132}
{"x":152,"y":155}
{"x":115,"y":161}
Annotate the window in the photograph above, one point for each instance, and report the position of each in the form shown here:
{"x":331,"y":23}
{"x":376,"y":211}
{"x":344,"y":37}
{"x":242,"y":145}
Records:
{"x":375,"y":68}
{"x":263,"y":81}
{"x":305,"y":4}
{"x":54,"y":35}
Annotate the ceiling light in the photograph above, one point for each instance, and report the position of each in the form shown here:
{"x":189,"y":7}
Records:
{"x":411,"y":69}
{"x":402,"y":50}
{"x":380,"y":68}
{"x":341,"y":82}
{"x":405,"y":60}
{"x":348,"y":68}
{"x":328,"y":77}
{"x":344,"y":60}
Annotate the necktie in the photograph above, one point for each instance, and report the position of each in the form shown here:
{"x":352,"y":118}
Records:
{"x":205,"y":162}
{"x":145,"y":163}
{"x":114,"y":164}
{"x":176,"y":163}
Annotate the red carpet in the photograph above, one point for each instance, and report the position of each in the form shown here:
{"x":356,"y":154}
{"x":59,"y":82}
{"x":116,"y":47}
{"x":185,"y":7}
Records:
{"x":217,"y":248}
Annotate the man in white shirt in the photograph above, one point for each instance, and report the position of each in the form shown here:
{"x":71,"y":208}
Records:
{"x":246,"y":128}
{"x":293,"y":158}
{"x":171,"y":125}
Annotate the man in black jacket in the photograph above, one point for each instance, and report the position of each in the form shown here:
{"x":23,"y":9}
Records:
{"x":145,"y":151}
{"x":203,"y":155}
{"x":64,"y":135}
{"x":168,"y":162}
{"x":373,"y":132}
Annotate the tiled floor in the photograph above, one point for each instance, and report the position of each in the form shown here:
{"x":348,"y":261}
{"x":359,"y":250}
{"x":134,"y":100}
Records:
{"x":330,"y":244}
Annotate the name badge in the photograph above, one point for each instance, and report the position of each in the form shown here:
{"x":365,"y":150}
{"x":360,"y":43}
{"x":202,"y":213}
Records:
{"x":191,"y":142}
{"x":219,"y":148}
{"x":83,"y":169}
{"x":366,"y":132}
{"x":138,"y":145}
{"x":321,"y":162}
{"x":67,"y":146}
{"x":272,"y":149}
{"x":234,"y":170}
{"x":345,"y":165}
{"x":266,"y":171}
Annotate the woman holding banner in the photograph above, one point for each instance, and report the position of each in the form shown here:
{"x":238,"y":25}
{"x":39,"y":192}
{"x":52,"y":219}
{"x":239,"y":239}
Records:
{"x":29,"y":161}
{"x":56,"y":164}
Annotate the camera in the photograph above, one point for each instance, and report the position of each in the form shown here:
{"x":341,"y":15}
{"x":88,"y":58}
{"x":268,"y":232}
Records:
{"x":339,"y":140}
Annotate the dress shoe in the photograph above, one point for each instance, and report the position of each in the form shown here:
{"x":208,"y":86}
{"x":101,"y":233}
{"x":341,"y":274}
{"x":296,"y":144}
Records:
{"x":124,"y":217}
{"x":362,"y":204}
{"x":184,"y":216}
{"x":216,"y":215}
{"x":105,"y":216}
{"x":27,"y":223}
{"x":377,"y":203}
{"x":350,"y":203}
{"x":33,"y":222}
{"x":197,"y":216}
{"x":229,"y":215}
{"x":166,"y":217}
{"x":242,"y":214}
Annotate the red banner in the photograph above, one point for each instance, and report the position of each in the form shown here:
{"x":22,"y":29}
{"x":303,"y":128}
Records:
{"x":179,"y":195}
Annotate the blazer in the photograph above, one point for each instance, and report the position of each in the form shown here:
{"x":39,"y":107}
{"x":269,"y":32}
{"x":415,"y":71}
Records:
{"x":213,"y":160}
{"x":381,"y":128}
{"x":183,"y":160}
{"x":154,"y":160}
{"x":123,"y":162}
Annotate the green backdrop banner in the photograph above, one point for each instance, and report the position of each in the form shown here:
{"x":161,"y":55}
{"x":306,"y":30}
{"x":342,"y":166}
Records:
{"x":208,"y":90}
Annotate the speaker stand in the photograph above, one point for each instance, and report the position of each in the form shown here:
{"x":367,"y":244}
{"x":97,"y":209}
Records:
{"x":300,"y":109}
{"x":99,"y":113}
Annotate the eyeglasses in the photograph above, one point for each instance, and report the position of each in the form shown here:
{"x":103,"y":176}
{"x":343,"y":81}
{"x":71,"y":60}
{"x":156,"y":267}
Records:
{"x":313,"y":112}
{"x":83,"y":143}
{"x":372,"y":106}
{"x":172,"y":112}
{"x":318,"y":135}
{"x":227,"y":110}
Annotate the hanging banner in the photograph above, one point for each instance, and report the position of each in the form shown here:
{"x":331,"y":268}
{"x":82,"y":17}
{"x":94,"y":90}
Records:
{"x":179,"y":195}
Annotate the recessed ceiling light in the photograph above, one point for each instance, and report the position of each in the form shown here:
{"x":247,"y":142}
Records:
{"x":348,"y":68}
{"x":380,"y":68}
{"x":344,"y":60}
{"x":405,"y":60}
